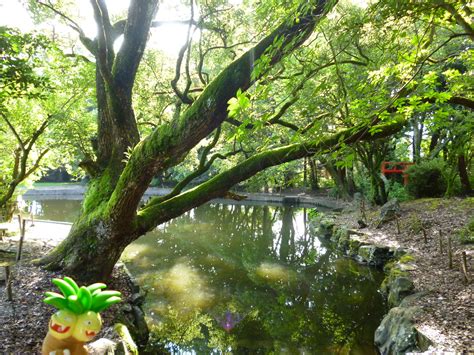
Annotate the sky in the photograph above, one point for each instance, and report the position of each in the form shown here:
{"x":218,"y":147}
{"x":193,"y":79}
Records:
{"x":167,"y":38}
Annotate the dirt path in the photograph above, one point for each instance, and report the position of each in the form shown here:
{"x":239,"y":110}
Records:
{"x":448,"y":317}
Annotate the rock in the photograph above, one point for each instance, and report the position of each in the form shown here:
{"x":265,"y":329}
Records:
{"x":399,"y":252}
{"x":374,"y":254}
{"x":339,"y":233}
{"x":134,"y":319}
{"x":326,"y":227}
{"x":399,"y":289}
{"x":388,"y":211}
{"x":138,"y":299}
{"x":397,"y":333}
{"x":101,"y":346}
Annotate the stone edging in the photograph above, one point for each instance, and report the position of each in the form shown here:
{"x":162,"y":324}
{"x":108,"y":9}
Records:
{"x":397,"y":333}
{"x":129,"y":334}
{"x":131,"y":313}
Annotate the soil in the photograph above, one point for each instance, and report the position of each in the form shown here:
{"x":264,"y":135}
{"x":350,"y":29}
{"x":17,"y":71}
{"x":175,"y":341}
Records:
{"x":24,"y":320}
{"x":448,"y":307}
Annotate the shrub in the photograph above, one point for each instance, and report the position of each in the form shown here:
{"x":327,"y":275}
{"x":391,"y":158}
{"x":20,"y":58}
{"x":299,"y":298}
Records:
{"x":466,"y":234}
{"x":427,"y":179}
{"x":398,"y":191}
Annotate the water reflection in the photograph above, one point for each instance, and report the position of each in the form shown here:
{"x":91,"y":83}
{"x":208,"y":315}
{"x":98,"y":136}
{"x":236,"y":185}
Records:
{"x":245,"y":279}
{"x":252,"y":279}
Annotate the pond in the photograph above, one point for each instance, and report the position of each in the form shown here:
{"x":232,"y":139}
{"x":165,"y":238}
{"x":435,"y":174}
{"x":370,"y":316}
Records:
{"x":248,"y":279}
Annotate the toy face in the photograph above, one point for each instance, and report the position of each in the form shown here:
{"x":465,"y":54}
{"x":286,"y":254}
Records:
{"x":87,"y":326}
{"x":62,"y":323}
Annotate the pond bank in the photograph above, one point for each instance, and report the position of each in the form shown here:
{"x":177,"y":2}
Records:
{"x":431,"y":304}
{"x":303,"y":199}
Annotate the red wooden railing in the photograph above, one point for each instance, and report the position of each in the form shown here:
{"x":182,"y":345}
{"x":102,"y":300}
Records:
{"x":396,"y":167}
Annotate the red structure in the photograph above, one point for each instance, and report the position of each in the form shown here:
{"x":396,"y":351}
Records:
{"x":398,"y":167}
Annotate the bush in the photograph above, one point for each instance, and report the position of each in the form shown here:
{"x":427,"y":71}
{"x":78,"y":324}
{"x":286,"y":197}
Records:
{"x":466,"y":234}
{"x":427,"y":179}
{"x":398,"y":191}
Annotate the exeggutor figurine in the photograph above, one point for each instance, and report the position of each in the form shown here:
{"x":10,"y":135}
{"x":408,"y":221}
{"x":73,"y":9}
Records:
{"x":77,"y":320}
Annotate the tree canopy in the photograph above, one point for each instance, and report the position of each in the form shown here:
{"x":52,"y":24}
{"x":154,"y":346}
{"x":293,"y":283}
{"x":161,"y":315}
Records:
{"x":257,"y":85}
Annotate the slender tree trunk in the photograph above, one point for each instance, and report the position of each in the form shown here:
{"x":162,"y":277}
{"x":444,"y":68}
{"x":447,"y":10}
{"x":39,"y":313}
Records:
{"x":417,"y":138}
{"x":463,"y":175}
{"x":313,"y":176}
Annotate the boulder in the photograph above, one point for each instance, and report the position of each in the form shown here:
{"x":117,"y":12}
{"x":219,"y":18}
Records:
{"x":400,"y":287}
{"x":374,"y":254}
{"x":397,"y":333}
{"x":133,"y":318}
{"x":388,"y":211}
{"x":326,"y":227}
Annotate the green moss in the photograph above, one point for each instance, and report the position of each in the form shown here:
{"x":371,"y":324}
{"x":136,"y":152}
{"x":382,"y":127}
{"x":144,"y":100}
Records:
{"x":393,"y":271}
{"x":99,"y":192}
{"x":406,"y":259}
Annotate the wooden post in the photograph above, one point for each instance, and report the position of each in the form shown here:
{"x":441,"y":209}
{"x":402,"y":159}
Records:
{"x":398,"y":224}
{"x":19,"y":220}
{"x":464,"y":267}
{"x":450,"y":253}
{"x":440,"y":242}
{"x":20,"y":245}
{"x":424,"y":235}
{"x":8,"y":283}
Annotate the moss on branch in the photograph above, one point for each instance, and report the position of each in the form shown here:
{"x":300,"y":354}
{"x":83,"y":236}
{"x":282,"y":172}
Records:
{"x":154,"y":214}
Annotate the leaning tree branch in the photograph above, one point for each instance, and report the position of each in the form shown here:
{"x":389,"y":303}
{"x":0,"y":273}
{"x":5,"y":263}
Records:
{"x":151,"y":216}
{"x":185,"y":99}
{"x":140,"y":15}
{"x":169,"y":144}
{"x":460,"y":20}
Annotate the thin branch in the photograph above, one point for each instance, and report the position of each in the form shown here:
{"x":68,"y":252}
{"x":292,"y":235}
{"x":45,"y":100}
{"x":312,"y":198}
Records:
{"x":186,"y":47}
{"x":86,"y":41}
{"x":15,"y":133}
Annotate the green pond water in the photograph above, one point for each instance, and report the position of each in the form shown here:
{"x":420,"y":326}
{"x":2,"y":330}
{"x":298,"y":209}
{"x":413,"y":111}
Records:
{"x":240,"y":279}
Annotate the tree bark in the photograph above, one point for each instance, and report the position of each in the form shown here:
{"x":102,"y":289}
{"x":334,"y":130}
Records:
{"x":109,"y":220}
{"x":97,"y":241}
{"x":463,"y":175}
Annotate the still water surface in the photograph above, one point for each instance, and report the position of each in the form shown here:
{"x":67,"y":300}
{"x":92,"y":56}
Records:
{"x":248,"y":280}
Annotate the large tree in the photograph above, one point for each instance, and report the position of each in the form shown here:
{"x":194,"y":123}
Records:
{"x":125,"y":163}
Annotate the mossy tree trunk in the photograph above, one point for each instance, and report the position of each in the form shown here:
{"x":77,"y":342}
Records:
{"x":110,"y":219}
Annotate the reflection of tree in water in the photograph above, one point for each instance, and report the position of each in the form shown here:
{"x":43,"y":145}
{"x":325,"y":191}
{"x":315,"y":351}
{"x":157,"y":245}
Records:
{"x":285,"y":292}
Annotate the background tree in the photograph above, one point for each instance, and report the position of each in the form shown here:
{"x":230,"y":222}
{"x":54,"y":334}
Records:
{"x":43,"y":118}
{"x":289,"y":94}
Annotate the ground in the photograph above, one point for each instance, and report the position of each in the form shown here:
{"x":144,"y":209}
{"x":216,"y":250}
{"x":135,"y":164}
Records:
{"x":24,"y":321}
{"x":449,"y":305}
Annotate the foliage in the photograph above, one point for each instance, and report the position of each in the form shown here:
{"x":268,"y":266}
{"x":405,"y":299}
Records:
{"x":46,"y":116}
{"x":398,"y":191}
{"x":239,"y":98}
{"x":466,"y":234}
{"x":427,"y":179}
{"x":82,"y":299}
